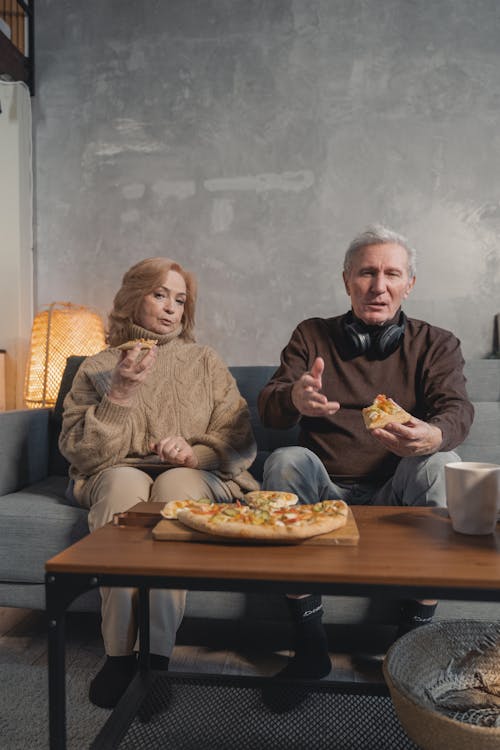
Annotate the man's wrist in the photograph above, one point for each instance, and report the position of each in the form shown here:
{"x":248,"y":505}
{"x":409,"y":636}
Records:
{"x":292,"y":396}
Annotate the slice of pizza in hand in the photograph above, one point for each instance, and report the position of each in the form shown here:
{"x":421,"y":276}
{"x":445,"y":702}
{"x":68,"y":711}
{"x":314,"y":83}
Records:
{"x":145,"y":344}
{"x":383,"y":411}
{"x":172,"y":508}
{"x":270,"y":499}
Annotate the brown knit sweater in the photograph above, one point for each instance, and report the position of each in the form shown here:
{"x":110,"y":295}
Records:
{"x":424,"y":375}
{"x":190,"y":393}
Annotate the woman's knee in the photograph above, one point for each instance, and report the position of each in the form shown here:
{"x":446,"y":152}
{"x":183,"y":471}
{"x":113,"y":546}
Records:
{"x":179,"y":484}
{"x":116,"y":490}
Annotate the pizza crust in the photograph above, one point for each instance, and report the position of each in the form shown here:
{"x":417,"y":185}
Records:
{"x":145,"y":344}
{"x":382,"y":412}
{"x":323,"y":523}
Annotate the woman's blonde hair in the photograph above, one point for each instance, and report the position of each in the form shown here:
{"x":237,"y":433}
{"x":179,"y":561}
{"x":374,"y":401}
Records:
{"x":142,"y":279}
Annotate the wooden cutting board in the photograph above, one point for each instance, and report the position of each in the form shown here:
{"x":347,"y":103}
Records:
{"x":174,"y":531}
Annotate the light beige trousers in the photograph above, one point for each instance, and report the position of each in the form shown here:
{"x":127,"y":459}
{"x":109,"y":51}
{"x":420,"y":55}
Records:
{"x":116,"y":490}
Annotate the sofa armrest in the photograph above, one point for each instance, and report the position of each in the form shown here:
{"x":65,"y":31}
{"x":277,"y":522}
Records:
{"x":24,"y":447}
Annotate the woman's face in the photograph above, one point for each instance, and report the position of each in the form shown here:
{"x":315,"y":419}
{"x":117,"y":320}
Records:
{"x":161,"y":311}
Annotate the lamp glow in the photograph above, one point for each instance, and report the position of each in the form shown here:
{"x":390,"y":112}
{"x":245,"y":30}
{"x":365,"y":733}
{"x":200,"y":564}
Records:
{"x":61,"y":330}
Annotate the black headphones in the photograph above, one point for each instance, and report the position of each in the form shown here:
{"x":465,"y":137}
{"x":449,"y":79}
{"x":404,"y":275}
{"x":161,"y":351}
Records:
{"x":381,"y":340}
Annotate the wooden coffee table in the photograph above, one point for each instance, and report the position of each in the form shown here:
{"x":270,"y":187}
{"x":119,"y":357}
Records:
{"x":411,"y":552}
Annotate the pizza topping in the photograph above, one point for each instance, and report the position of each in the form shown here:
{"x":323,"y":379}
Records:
{"x":270,"y":498}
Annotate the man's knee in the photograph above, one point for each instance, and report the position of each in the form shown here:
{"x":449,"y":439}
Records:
{"x":435,"y":464}
{"x":428,"y":477}
{"x":287,"y":461}
{"x":435,"y":471}
{"x":298,"y":470}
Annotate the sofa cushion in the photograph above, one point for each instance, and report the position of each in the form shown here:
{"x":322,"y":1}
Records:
{"x":483,"y":441}
{"x":37,"y":523}
{"x":57,"y":463}
{"x":483,"y":383}
{"x":23,"y":448}
{"x":250,"y":381}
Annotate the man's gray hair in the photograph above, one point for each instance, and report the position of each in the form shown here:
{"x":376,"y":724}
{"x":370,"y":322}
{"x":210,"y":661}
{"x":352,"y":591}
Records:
{"x":377,"y":234}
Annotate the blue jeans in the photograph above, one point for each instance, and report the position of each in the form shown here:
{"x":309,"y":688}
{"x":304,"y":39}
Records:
{"x":417,"y":481}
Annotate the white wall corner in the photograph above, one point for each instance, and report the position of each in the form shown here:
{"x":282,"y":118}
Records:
{"x":16,"y":246}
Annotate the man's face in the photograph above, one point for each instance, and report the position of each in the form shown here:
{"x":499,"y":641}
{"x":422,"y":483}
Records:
{"x":378,"y":282}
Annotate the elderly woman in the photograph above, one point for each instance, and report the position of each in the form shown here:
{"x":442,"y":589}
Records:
{"x":162,"y":425}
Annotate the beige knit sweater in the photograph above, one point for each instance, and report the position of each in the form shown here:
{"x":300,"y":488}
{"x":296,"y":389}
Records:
{"x":190,"y":393}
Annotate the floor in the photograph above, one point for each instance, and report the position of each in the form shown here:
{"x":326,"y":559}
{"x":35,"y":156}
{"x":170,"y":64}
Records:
{"x":24,"y":631}
{"x":23,"y":662}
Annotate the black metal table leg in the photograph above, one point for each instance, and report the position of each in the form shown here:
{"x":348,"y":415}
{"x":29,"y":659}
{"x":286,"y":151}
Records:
{"x":57,"y":682}
{"x":143,"y":616}
{"x":60,"y":590}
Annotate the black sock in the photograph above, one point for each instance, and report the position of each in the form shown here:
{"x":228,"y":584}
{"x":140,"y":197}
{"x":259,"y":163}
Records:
{"x":414,"y":614}
{"x":112,"y":680}
{"x":311,"y":659}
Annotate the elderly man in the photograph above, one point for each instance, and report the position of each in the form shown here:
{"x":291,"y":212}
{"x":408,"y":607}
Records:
{"x":332,"y":368}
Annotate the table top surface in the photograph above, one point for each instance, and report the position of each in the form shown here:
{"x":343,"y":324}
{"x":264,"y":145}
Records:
{"x":397,"y":547}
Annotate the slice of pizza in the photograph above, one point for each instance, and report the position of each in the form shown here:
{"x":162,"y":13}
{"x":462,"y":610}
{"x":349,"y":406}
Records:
{"x":383,"y":411}
{"x":145,"y":344}
{"x":270,"y":499}
{"x":172,"y":508}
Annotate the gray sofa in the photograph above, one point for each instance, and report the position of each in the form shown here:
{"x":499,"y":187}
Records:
{"x":36,"y":521}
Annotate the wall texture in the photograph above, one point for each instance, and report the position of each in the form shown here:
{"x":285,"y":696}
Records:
{"x":251,"y":139}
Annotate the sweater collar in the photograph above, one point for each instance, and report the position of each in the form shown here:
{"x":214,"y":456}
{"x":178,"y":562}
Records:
{"x":135,"y":331}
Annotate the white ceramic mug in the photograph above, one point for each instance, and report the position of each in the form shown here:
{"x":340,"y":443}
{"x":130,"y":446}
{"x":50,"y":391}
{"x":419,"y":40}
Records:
{"x":473,"y":496}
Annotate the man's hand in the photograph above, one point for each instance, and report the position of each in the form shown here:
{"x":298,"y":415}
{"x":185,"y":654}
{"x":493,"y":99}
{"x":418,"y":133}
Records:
{"x":129,"y":374}
{"x":415,"y":438}
{"x":176,"y":451}
{"x":306,"y":395}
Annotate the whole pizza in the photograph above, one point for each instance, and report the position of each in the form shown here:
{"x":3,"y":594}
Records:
{"x":269,"y":524}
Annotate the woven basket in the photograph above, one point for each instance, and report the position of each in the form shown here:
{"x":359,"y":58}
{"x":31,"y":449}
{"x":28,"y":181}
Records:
{"x":418,"y":663}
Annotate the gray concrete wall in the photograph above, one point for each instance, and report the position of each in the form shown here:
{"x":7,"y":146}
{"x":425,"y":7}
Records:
{"x":251,"y":139}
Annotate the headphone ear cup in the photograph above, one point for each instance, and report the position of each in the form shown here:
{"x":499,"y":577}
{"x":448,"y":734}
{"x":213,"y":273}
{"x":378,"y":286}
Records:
{"x":359,"y":341}
{"x":389,"y":339}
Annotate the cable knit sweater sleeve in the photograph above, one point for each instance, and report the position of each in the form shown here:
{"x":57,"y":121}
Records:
{"x":229,"y":434}
{"x":95,"y":432}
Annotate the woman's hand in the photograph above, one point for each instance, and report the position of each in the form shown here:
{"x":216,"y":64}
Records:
{"x":175,"y":450}
{"x":130,"y":372}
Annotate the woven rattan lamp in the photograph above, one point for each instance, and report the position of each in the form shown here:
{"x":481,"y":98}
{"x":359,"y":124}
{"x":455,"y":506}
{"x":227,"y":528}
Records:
{"x":58,"y":332}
